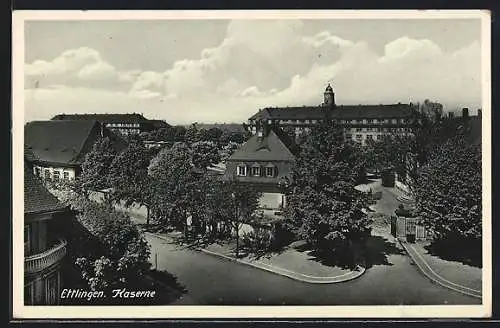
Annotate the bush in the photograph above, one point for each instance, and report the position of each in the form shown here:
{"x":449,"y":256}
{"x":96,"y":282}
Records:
{"x":258,"y":241}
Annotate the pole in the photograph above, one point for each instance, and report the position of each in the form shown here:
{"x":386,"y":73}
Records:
{"x":237,"y":231}
{"x":156,"y":261}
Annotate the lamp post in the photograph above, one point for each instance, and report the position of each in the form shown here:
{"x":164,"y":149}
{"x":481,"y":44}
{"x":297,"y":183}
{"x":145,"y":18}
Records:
{"x":233,"y":196}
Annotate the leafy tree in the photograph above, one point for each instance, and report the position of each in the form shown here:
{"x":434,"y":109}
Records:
{"x":205,"y":154}
{"x":96,"y":165}
{"x":176,"y":184}
{"x":122,"y":255}
{"x":448,"y":195}
{"x":323,"y":206}
{"x":191,"y":136}
{"x":129,"y":179}
{"x":228,"y":150}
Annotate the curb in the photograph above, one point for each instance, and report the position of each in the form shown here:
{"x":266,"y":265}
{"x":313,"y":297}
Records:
{"x":426,"y":269}
{"x":291,"y":274}
{"x":280,"y":271}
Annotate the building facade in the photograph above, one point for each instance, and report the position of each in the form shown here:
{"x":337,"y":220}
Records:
{"x":360,"y":122}
{"x":56,"y":149}
{"x":122,"y":124}
{"x":263,"y":162}
{"x":44,"y":246}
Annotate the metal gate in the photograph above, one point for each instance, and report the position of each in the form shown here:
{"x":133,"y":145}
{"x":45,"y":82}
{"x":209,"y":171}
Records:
{"x":408,"y":228}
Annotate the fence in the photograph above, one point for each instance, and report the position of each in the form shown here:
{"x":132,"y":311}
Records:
{"x":402,"y":227}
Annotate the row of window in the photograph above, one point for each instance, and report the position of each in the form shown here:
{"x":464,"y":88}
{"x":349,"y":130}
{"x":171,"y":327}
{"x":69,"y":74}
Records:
{"x":126,"y":131}
{"x":382,"y":129}
{"x":56,"y":175}
{"x":255,"y":171}
{"x":123,"y":125}
{"x":360,"y":121}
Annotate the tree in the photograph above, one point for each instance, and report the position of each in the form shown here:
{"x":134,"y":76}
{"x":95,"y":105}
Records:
{"x":205,"y":154}
{"x":122,"y":254}
{"x":96,"y":165}
{"x":191,"y":136}
{"x":449,"y":196}
{"x":323,"y":207}
{"x":129,"y":179}
{"x":176,"y":184}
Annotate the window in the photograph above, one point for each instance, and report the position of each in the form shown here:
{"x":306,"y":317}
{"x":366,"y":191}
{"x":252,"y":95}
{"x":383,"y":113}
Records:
{"x":370,"y":121}
{"x":242,"y":170}
{"x":378,"y":137}
{"x":256,"y":171}
{"x":369,"y":137}
{"x":47,"y":174}
{"x":57,"y":175}
{"x":394,"y":121}
{"x":270,"y":171}
{"x":348,"y":136}
{"x":365,"y":121}
{"x":37,"y":171}
{"x":27,"y":235}
{"x":375,"y":120}
{"x":66,"y":175}
{"x":358,"y":136}
{"x":359,"y":129}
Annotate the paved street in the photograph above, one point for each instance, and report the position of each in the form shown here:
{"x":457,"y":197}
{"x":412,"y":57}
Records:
{"x":391,"y":278}
{"x":213,"y":281}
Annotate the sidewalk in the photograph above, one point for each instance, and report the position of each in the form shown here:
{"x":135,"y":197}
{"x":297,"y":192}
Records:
{"x":450,"y":274}
{"x":290,"y":263}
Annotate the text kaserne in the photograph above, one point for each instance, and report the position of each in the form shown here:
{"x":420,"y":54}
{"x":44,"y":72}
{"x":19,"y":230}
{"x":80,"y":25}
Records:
{"x":124,"y":293}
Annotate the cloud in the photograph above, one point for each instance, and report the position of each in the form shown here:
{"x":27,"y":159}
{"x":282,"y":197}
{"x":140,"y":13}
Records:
{"x":85,"y":63}
{"x":260,"y":64}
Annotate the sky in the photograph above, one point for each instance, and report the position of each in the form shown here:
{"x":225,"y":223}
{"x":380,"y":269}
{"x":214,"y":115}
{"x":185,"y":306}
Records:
{"x":223,"y":71}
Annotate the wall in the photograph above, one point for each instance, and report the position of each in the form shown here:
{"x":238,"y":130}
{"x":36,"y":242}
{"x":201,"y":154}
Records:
{"x":270,"y":200}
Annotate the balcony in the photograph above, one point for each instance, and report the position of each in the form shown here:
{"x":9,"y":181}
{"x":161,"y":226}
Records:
{"x":41,"y":261}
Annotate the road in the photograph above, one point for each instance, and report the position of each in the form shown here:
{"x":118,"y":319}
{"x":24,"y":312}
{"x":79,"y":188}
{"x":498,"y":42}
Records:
{"x":391,"y":278}
{"x":210,"y":280}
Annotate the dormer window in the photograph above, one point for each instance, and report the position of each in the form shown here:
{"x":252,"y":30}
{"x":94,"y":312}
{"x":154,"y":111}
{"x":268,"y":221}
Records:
{"x":255,"y":170}
{"x":242,"y":170}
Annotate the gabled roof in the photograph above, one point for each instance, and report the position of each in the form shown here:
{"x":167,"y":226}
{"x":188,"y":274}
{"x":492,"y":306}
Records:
{"x":275,"y":146}
{"x":339,"y":112}
{"x":37,"y":199}
{"x":104,"y":118}
{"x":63,"y":142}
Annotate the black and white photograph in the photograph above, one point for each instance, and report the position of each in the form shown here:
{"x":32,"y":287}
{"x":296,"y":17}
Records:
{"x":261,"y":164}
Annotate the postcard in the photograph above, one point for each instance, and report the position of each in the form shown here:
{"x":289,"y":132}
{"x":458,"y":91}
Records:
{"x":251,"y":164}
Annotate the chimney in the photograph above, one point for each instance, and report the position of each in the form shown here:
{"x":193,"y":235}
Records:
{"x":479,"y":113}
{"x":465,"y":112}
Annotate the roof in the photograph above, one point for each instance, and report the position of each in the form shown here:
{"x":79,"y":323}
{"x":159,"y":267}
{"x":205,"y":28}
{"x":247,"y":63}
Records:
{"x":159,"y":124}
{"x":37,"y":199}
{"x":63,"y":142}
{"x":275,"y":146}
{"x":339,"y":112}
{"x":104,"y":118}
